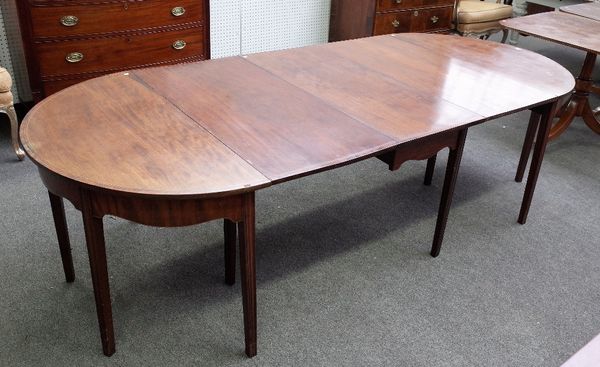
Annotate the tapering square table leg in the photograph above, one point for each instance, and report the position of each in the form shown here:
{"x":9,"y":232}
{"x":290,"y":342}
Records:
{"x":94,"y":236}
{"x":452,"y":166}
{"x":62,"y":234}
{"x":534,"y":122}
{"x":547,"y":114}
{"x":248,"y":273}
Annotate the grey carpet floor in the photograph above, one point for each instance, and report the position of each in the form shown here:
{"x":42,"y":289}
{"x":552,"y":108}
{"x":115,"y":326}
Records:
{"x":344,"y":274}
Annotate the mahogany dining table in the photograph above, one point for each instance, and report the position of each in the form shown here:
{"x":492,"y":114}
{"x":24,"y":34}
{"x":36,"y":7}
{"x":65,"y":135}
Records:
{"x":185,"y":144}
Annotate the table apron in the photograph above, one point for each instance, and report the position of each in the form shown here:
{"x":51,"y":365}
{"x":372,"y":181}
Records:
{"x":420,"y":149}
{"x":151,"y":211}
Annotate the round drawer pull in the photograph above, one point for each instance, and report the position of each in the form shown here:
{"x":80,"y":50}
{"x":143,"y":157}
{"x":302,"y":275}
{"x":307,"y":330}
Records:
{"x":178,"y":11}
{"x":396,"y":23}
{"x":179,"y":44}
{"x":398,"y":1}
{"x":69,"y":20}
{"x":416,"y":13}
{"x":434,"y":19}
{"x":74,"y":57}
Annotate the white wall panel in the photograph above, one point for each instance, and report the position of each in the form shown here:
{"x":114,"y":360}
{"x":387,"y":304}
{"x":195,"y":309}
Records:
{"x":236,"y":27}
{"x":276,"y":24}
{"x":225,"y":28}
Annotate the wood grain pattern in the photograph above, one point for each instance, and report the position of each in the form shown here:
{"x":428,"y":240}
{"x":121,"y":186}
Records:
{"x":131,"y":141}
{"x":352,"y":19}
{"x":108,"y":17}
{"x":113,"y":35}
{"x":131,"y":48}
{"x":453,"y":80}
{"x":473,"y":74}
{"x":280,"y":130}
{"x":587,"y":10}
{"x":185,"y":144}
{"x":559,"y":27}
{"x":363,"y":92}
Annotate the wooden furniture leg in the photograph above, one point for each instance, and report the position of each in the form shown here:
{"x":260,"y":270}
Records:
{"x":62,"y":234}
{"x":14,"y":132}
{"x":230,"y":235}
{"x":429,"y":170}
{"x":579,"y":104}
{"x":7,"y":107}
{"x":248,"y":273}
{"x":546,"y":112}
{"x":94,"y":236}
{"x":452,"y":167}
{"x":534,"y":121}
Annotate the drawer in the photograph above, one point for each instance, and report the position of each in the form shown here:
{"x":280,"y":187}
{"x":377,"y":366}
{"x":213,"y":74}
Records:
{"x":104,"y":17}
{"x":389,"y":5}
{"x":102,"y":54}
{"x":421,"y":20}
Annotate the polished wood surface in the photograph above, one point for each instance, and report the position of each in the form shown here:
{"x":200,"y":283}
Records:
{"x":108,"y":36}
{"x":587,"y":10}
{"x":186,"y":144}
{"x":559,"y":27}
{"x":352,"y":19}
{"x":133,"y":49}
{"x":453,"y":81}
{"x":132,"y":141}
{"x":110,"y":16}
{"x":574,"y":31}
{"x":281,"y":131}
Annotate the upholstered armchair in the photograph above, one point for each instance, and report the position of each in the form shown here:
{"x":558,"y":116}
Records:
{"x":481,"y":19}
{"x":6,"y":106}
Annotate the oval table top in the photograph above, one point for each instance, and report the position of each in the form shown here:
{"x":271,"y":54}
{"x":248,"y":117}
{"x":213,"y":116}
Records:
{"x":238,"y":124}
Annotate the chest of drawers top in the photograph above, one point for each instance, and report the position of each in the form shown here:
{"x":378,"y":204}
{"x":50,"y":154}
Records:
{"x":67,"y":41}
{"x":363,"y":18}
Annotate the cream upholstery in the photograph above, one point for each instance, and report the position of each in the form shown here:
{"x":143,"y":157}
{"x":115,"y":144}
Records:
{"x":6,"y":106}
{"x":480,"y":18}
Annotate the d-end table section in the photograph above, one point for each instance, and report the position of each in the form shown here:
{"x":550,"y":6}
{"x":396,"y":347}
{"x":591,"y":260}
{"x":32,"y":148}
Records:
{"x":136,"y":156}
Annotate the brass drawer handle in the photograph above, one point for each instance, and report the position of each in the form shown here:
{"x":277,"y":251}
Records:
{"x":178,"y":11}
{"x":434,"y":19}
{"x":69,"y":20}
{"x":74,"y":57}
{"x":416,"y":13}
{"x":396,"y":23}
{"x":179,"y":44}
{"x":398,"y":1}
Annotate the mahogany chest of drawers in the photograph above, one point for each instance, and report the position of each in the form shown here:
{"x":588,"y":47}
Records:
{"x":68,"y":41}
{"x":363,"y":18}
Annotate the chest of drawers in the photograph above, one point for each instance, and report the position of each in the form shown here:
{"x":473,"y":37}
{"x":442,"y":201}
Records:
{"x":363,"y":18}
{"x":68,"y":41}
